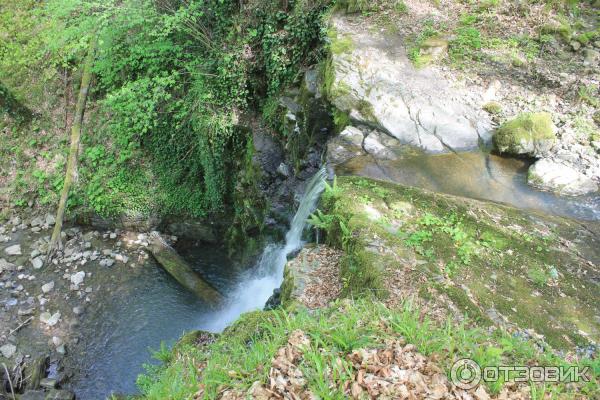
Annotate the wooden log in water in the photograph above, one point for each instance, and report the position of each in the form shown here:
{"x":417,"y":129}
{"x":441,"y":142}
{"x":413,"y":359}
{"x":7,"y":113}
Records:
{"x":181,"y":270}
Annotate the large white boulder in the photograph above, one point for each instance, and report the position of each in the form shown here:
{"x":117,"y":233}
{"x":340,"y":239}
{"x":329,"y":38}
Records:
{"x":559,"y":177}
{"x":371,"y":78}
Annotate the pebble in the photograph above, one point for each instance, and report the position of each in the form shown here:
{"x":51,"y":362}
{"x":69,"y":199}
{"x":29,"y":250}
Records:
{"x":77,"y":278}
{"x":8,"y":350}
{"x":14,"y":250}
{"x":48,"y":287}
{"x":37,"y":263}
{"x":107,"y":262}
{"x":57,"y":341}
{"x":36,"y":222}
{"x":50,"y":319}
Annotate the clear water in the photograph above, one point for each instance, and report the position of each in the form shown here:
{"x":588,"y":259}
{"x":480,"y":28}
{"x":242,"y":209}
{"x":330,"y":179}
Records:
{"x":476,"y":175}
{"x":148,"y":306}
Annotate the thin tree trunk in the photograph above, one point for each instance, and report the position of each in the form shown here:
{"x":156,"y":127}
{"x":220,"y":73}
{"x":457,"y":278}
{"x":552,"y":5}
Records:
{"x":55,"y":241}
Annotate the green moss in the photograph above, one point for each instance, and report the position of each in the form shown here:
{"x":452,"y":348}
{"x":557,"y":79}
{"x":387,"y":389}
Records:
{"x":339,"y":44}
{"x":484,"y":249}
{"x":462,"y":301}
{"x":493,"y":107}
{"x":511,"y":136}
{"x":563,"y":30}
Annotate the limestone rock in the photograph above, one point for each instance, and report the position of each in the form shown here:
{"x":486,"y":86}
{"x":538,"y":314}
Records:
{"x":37,"y":263}
{"x":531,"y":134}
{"x":559,"y":177}
{"x":372,"y":79}
{"x":6,"y":266}
{"x":37,"y":221}
{"x":14,"y":250}
{"x":8,"y":350}
{"x":50,"y":220}
{"x":50,"y":319}
{"x":381,"y":146}
{"x":46,"y":288}
{"x":345,"y":146}
{"x":77,"y":278}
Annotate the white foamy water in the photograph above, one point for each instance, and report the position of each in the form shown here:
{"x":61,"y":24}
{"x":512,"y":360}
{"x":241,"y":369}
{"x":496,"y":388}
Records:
{"x":258,"y":283}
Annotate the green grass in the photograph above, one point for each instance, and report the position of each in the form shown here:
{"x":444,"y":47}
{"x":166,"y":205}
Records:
{"x":242,"y":354}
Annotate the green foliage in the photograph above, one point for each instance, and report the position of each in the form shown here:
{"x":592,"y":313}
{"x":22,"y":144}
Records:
{"x":466,"y":44}
{"x":243,"y":354}
{"x":589,"y":94}
{"x":171,"y":82}
{"x":414,"y":50}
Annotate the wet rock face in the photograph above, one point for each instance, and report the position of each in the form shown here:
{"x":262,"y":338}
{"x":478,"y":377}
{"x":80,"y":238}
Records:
{"x":373,"y":81}
{"x":559,"y":177}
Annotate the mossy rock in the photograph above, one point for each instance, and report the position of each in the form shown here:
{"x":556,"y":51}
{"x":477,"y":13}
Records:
{"x":479,"y":254}
{"x":530,"y":134}
{"x":492,"y":107}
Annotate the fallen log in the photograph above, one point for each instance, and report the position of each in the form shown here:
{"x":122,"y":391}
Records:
{"x":179,"y":269}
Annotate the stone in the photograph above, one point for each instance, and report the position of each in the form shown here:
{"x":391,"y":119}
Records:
{"x":46,"y":288}
{"x":531,"y":134}
{"x":37,"y":263}
{"x":25,"y":312}
{"x":345,"y":146}
{"x":433,"y":49}
{"x":312,"y":82}
{"x":14,"y":250}
{"x":374,"y":82}
{"x":56,"y":341}
{"x":283,"y":170}
{"x":33,"y":395}
{"x":106,"y":262}
{"x":50,"y":319}
{"x":559,"y":177}
{"x":352,"y":135}
{"x":48,"y":383}
{"x":77,"y":278}
{"x":381,"y":146}
{"x":50,"y":220}
{"x":55,"y":394}
{"x":6,"y":266}
{"x":37,"y":221}
{"x":8,"y":350}
{"x":575,"y":45}
{"x":77,"y":310}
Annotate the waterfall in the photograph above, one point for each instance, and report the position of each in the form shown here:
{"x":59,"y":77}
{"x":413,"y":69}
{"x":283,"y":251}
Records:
{"x":257,"y":284}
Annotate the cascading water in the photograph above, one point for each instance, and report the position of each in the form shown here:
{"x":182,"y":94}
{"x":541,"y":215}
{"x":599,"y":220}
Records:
{"x":148,"y":306}
{"x":257,"y":285}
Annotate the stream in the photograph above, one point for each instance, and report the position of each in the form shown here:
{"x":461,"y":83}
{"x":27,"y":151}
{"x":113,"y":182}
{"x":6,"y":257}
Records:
{"x":151,"y":307}
{"x":476,"y":175}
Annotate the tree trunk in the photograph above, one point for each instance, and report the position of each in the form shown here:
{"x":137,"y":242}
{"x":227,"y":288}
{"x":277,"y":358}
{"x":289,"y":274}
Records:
{"x":181,"y":271}
{"x":55,"y":241}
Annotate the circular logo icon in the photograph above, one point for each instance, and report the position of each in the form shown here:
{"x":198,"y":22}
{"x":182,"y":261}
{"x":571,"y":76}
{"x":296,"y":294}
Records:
{"x":466,"y":374}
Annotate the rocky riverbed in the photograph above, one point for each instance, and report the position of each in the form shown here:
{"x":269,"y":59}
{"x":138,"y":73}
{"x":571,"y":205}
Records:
{"x":42,"y":305}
